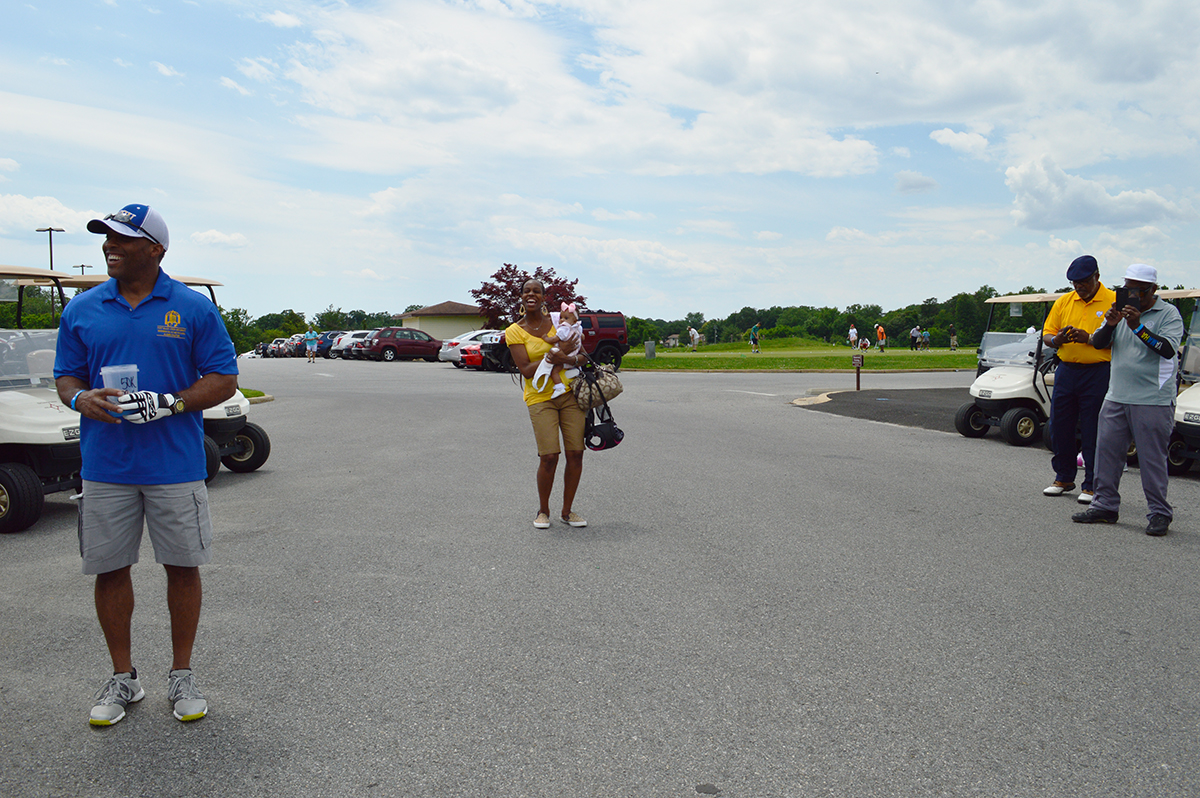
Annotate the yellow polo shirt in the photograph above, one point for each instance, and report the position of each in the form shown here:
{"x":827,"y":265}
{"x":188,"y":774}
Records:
{"x":1071,"y":311}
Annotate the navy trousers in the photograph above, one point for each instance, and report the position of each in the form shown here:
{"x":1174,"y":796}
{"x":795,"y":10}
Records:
{"x":1078,"y":393}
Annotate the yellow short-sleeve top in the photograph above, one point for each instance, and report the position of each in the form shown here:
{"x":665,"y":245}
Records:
{"x":536,"y":348}
{"x":1071,"y":311}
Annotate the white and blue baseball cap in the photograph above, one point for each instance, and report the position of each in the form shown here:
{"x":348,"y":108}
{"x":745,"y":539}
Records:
{"x":137,"y":221}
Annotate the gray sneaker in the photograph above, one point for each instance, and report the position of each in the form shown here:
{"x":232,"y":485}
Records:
{"x":117,"y":693}
{"x":186,"y":699}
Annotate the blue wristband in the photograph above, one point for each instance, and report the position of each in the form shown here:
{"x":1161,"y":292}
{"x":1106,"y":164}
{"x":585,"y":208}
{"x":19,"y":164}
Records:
{"x":76,"y":396}
{"x":1138,"y":329}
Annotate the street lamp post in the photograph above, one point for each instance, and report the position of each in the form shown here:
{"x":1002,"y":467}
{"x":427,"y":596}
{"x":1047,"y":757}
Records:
{"x":50,"y":231}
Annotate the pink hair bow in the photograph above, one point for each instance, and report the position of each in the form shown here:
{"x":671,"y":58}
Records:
{"x":570,"y":307}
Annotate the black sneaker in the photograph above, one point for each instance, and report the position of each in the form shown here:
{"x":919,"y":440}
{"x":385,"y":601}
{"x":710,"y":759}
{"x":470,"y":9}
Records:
{"x":1094,"y":515}
{"x":1158,"y":525}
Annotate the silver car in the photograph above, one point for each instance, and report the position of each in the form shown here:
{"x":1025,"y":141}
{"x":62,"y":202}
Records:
{"x":451,"y":351}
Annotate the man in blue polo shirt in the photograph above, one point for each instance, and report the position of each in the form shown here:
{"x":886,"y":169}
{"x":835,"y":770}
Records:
{"x":143,"y":451}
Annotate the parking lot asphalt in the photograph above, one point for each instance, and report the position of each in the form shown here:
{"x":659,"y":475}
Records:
{"x":768,"y":601}
{"x":929,"y":408}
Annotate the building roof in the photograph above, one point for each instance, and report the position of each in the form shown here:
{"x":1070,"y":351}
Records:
{"x":448,"y":309}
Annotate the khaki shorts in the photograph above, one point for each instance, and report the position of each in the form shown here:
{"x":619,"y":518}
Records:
{"x":558,"y":414}
{"x":111,"y":518}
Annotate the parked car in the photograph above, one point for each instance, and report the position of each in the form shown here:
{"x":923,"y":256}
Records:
{"x":605,"y":340}
{"x":355,"y":350}
{"x":449,"y":352}
{"x":295,"y":346}
{"x":341,"y":347}
{"x":470,"y":357}
{"x":401,"y":343}
{"x":325,"y":342}
{"x":275,"y":349}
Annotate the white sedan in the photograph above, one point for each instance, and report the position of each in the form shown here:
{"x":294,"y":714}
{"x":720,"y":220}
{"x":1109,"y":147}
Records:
{"x":451,"y":351}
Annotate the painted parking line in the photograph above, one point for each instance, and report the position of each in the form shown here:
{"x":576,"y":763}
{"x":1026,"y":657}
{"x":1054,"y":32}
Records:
{"x":752,"y":393}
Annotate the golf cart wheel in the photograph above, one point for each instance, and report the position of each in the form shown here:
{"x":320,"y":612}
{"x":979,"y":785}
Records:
{"x":21,"y":497}
{"x":212,"y":458}
{"x":969,"y":421}
{"x":1177,"y":460}
{"x":256,"y":448}
{"x":1019,"y":426}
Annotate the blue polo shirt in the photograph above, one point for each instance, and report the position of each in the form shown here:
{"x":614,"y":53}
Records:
{"x":175,"y":336}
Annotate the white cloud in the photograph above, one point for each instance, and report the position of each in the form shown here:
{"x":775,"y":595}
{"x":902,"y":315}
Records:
{"x":538,"y":207}
{"x":1047,"y":198}
{"x":122,"y":63}
{"x":609,"y":216}
{"x":846,"y":234}
{"x":19,"y":213}
{"x":260,"y":69}
{"x":971,"y":144}
{"x":908,"y":182}
{"x":9,"y":165}
{"x":902,"y":152}
{"x":165,"y":70}
{"x":229,"y":83}
{"x":218,"y":239}
{"x":281,"y":19}
{"x":768,"y":235}
{"x":368,"y":274}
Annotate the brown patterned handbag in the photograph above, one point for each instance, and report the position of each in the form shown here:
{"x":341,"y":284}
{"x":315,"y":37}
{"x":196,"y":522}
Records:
{"x":596,"y":384}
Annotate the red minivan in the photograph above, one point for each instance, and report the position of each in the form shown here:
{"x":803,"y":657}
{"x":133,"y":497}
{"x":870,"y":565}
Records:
{"x":401,"y":343}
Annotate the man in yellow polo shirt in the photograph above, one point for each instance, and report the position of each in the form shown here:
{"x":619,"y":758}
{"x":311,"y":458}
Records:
{"x":1081,"y":380}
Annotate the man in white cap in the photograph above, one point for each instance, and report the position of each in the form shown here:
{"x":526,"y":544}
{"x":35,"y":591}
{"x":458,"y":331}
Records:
{"x":1140,"y":403}
{"x":143,"y":450}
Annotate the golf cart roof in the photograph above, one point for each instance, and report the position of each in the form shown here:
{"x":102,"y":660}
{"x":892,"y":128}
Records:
{"x":28,"y":275}
{"x":1021,"y":299}
{"x":92,"y":280}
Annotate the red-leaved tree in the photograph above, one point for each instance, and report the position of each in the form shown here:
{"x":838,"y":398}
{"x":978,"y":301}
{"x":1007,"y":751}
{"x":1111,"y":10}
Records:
{"x":500,"y":298}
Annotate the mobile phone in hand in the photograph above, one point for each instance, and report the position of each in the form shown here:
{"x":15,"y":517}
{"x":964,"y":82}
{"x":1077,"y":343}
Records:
{"x":1122,"y":298}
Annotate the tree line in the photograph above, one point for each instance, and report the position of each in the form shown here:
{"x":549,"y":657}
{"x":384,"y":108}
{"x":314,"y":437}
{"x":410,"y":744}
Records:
{"x":969,"y":313}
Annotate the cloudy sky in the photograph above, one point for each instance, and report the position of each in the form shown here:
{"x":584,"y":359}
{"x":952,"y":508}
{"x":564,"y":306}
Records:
{"x":674,"y":155}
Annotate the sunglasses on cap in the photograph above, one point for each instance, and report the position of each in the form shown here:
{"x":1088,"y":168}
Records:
{"x":128,"y":219}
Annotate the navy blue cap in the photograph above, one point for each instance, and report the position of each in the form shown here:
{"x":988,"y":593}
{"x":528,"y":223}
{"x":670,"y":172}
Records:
{"x":1082,"y":268}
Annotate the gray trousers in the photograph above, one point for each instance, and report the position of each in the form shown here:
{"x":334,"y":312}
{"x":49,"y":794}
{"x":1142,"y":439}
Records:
{"x":1150,"y":426}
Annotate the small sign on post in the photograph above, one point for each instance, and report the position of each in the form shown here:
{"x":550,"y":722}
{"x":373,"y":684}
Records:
{"x":856,"y":360}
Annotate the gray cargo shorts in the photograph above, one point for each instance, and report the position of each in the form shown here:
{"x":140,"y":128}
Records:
{"x":111,"y":517}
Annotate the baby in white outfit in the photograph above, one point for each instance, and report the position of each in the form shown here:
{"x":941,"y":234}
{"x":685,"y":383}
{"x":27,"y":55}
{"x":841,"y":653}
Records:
{"x":567,"y":338}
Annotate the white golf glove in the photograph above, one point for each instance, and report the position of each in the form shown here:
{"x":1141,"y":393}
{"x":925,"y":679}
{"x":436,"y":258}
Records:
{"x":145,"y":406}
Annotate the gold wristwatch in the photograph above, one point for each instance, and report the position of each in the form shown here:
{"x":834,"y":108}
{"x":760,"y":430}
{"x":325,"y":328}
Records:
{"x":178,"y":406}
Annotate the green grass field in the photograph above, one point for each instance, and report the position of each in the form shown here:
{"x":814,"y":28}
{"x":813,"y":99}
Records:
{"x":789,"y":354}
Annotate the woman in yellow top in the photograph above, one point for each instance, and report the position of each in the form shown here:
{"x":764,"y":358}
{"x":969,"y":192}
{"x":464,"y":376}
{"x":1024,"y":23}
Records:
{"x":550,"y":415}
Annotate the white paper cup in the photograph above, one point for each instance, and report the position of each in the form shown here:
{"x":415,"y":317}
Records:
{"x":123,"y":378}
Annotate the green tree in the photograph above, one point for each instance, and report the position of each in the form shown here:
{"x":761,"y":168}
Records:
{"x":331,"y":319}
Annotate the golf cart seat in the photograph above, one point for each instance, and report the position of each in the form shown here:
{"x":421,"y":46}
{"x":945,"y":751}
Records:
{"x":40,"y":364}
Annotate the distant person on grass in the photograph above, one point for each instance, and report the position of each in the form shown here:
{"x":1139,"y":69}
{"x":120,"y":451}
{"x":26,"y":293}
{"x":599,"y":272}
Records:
{"x":550,"y":415}
{"x":881,"y":335}
{"x":754,"y":338}
{"x":693,"y":336}
{"x":853,"y":336}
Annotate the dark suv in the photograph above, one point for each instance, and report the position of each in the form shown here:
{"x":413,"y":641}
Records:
{"x":401,"y":343}
{"x":605,"y":340}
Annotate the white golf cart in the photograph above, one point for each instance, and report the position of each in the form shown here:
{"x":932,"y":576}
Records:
{"x":1015,"y":379}
{"x":229,"y":438}
{"x":1185,"y":440}
{"x":39,"y":436}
